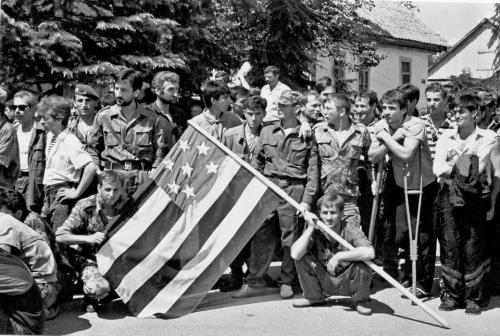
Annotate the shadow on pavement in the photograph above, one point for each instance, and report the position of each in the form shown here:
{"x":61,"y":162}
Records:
{"x":72,"y":317}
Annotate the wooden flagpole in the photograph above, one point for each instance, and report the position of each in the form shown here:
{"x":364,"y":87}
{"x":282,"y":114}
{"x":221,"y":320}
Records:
{"x":323,"y":226}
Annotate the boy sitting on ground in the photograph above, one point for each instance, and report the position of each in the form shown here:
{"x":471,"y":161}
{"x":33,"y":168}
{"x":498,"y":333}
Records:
{"x":326,"y":268}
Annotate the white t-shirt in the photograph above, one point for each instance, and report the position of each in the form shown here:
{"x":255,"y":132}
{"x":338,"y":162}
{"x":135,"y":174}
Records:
{"x":272,"y":97}
{"x":23,"y":139}
{"x":65,"y":159}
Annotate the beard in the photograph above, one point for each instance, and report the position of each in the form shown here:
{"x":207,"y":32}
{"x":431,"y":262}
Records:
{"x":164,"y":100}
{"x":122,"y":102}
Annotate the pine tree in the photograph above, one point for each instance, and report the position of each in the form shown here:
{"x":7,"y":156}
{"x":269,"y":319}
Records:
{"x":68,"y":40}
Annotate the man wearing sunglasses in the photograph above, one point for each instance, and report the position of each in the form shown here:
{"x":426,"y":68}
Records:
{"x":31,"y":140}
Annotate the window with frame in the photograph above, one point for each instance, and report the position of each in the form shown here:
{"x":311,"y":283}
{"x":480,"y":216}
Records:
{"x":363,"y":79}
{"x":405,"y":71}
{"x":338,"y":69}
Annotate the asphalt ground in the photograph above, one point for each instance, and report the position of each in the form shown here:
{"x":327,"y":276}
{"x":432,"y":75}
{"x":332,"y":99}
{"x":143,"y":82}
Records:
{"x":219,"y":314}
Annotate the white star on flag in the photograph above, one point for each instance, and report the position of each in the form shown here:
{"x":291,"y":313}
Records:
{"x":188,"y":191}
{"x":186,"y":169}
{"x":212,"y":168}
{"x":203,"y":148}
{"x":169,"y":164}
{"x":174,"y":188}
{"x":184,"y":145}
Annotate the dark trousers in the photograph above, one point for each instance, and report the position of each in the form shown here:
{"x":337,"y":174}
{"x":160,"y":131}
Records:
{"x":397,"y":236}
{"x":460,"y":231}
{"x":316,"y":282}
{"x":56,"y":211}
{"x":237,"y":264}
{"x":283,"y":220}
{"x":22,"y":314}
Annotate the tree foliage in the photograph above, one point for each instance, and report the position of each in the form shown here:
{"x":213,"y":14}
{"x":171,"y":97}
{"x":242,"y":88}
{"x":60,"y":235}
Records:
{"x":292,"y":34}
{"x":56,"y":41}
{"x":53,"y":41}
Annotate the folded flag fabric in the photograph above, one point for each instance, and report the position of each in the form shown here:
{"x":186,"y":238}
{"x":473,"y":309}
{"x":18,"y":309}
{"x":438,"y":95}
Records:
{"x":173,"y":242}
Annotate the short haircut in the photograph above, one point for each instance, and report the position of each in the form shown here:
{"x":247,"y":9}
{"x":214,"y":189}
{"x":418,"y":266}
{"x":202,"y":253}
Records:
{"x":370,"y":95}
{"x":254,"y":102}
{"x":469,"y":100}
{"x":213,"y":89}
{"x":134,"y":78}
{"x":394,"y":97}
{"x":31,"y":97}
{"x":238,"y":92}
{"x":322,"y":83}
{"x":341,"y":101}
{"x":164,"y":76}
{"x":271,"y":68}
{"x":436,"y":87}
{"x":330,"y":199}
{"x":110,"y":176}
{"x":410,"y":91}
{"x":309,"y":93}
{"x":13,"y":201}
{"x":57,"y":107}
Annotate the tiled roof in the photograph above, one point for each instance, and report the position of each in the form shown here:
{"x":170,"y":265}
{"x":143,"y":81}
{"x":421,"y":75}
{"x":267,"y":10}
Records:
{"x":393,"y":19}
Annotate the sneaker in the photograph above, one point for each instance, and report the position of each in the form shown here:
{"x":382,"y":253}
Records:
{"x":247,"y":291}
{"x":448,"y":305}
{"x":472,"y":308}
{"x":286,"y":292}
{"x":363,"y":308}
{"x":305,"y":303}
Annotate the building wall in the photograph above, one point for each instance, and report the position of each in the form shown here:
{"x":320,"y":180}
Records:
{"x":387,"y":75}
{"x":474,"y":57}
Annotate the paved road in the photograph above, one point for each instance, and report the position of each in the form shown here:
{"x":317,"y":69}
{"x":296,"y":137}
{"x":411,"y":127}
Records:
{"x":218,"y":314}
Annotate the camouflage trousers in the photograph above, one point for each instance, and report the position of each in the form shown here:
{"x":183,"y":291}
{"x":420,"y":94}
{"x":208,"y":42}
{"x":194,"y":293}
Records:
{"x":94,"y":284}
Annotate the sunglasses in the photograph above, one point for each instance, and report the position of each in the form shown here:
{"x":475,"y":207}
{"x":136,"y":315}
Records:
{"x":20,"y":107}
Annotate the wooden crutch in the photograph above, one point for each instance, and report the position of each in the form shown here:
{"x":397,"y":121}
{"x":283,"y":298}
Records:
{"x":373,"y":217}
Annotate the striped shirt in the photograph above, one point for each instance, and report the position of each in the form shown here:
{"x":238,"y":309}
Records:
{"x":434,"y":133}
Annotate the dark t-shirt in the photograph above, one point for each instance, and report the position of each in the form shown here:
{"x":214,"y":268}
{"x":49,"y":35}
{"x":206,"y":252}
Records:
{"x":323,"y":247}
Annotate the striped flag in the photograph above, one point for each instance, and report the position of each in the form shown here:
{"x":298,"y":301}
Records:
{"x":167,"y":250}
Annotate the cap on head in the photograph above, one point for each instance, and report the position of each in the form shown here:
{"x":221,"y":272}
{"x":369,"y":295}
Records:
{"x":86,"y":90}
{"x":289,"y":97}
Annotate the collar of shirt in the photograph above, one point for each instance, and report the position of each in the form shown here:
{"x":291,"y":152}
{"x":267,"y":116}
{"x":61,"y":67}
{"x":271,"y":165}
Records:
{"x":210,"y":117}
{"x":447,"y":123}
{"x":140,"y":110}
{"x":278,"y":127}
{"x":116,"y":208}
{"x":476,"y":135}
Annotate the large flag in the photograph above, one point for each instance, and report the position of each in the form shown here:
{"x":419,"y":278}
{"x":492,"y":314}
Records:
{"x":182,"y":231}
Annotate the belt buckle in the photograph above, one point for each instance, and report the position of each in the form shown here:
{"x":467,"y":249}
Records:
{"x":128,"y":165}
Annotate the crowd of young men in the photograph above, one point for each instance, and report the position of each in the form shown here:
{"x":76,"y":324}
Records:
{"x":66,"y":169}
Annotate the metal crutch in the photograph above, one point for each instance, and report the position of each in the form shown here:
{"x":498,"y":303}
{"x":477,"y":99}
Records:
{"x":413,"y":239}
